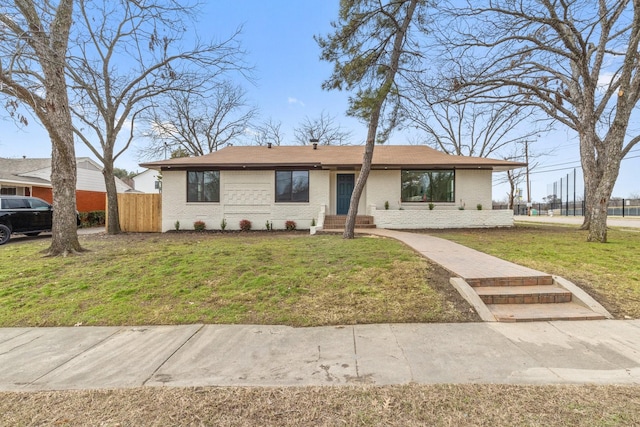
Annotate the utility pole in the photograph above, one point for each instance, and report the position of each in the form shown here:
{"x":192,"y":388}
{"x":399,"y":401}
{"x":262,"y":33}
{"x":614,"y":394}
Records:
{"x":526,"y":157}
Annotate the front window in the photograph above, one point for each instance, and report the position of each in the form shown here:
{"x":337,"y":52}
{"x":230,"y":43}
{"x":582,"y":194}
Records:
{"x":203,"y":186}
{"x":292,"y":186}
{"x":428,"y":185}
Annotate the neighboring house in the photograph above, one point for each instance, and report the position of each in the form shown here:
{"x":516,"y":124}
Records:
{"x":306,"y":183}
{"x":148,"y":182}
{"x":31,"y":177}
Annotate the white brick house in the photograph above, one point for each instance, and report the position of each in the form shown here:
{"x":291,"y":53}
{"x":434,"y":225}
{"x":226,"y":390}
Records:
{"x":408,"y":187}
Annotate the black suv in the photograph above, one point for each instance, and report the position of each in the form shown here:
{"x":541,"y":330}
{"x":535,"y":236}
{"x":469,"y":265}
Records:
{"x":26,"y":215}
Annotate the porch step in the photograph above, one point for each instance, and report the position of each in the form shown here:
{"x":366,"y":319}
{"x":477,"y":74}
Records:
{"x":338,"y":221}
{"x":523,"y":294}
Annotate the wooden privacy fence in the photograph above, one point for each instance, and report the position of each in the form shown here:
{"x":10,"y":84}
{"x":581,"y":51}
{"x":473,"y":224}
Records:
{"x":139,"y":213}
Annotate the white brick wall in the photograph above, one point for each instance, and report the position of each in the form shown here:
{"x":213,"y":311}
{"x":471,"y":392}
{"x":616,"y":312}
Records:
{"x":251,"y":195}
{"x":383,"y":186}
{"x":441,"y":218}
{"x":244,"y":195}
{"x":473,"y":187}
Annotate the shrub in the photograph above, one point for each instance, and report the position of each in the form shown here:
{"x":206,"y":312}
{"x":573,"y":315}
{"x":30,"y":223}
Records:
{"x":223,"y":224}
{"x":177,"y":225}
{"x":431,"y":206}
{"x":245,"y":225}
{"x":313,"y":222}
{"x":199,"y":225}
{"x":386,"y":205}
{"x":92,"y":219}
{"x":479,"y":206}
{"x":290,"y":225}
{"x":267,"y":225}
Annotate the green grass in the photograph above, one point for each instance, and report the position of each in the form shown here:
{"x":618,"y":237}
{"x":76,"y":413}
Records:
{"x":290,"y":279}
{"x":610,"y":271}
{"x":279,"y":278}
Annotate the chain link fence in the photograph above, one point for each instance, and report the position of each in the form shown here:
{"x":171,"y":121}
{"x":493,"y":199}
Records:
{"x":617,"y":207}
{"x":566,"y":197}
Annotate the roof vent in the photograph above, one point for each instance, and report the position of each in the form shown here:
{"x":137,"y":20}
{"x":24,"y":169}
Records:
{"x":314,"y":141}
{"x":268,"y":145}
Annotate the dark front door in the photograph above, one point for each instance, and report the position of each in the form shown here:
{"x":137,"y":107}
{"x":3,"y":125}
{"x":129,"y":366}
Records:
{"x":345,"y":188}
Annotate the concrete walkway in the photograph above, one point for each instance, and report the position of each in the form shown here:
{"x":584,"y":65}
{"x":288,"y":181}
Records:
{"x":599,"y":352}
{"x":476,"y":272}
{"x":460,"y":260}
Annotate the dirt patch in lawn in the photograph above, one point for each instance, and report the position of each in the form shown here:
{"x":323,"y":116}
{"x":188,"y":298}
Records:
{"x":438,"y":279}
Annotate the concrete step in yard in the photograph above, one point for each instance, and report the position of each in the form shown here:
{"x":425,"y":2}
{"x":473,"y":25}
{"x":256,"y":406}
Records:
{"x":523,"y":294}
{"x":542,"y":312}
{"x":528,"y":299}
{"x":511,"y":281}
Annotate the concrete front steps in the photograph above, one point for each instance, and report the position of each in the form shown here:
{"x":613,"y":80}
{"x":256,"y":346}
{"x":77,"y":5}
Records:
{"x":335,"y":222}
{"x":532,"y":298}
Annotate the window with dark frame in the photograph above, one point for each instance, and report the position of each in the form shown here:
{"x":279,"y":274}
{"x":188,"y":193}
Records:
{"x":203,"y":186}
{"x":428,"y":185}
{"x":292,"y":186}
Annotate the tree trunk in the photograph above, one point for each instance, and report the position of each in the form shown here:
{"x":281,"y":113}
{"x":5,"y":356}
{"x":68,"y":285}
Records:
{"x":601,"y":165}
{"x":113,"y":226}
{"x":56,"y":117}
{"x":64,"y":239}
{"x":512,"y":189}
{"x":374,"y":119}
{"x":598,"y":224}
{"x":590,"y":185}
{"x":599,"y":201}
{"x":350,"y":224}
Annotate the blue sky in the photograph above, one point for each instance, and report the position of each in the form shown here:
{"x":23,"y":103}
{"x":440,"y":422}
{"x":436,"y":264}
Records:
{"x":278,"y":38}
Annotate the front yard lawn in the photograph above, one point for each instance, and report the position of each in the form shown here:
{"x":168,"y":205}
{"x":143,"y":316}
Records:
{"x":247,"y":278}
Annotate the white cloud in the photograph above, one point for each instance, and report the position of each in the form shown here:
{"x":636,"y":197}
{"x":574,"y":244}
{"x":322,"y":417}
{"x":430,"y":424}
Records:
{"x":604,"y":79}
{"x":293,"y":100}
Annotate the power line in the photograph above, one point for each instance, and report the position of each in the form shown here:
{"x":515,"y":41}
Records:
{"x":504,"y":181}
{"x":577,"y":164}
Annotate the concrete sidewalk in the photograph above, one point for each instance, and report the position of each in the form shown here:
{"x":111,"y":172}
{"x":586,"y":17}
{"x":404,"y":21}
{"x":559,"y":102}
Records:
{"x":600,"y":352}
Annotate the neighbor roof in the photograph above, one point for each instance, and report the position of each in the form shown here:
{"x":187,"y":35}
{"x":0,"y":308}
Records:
{"x":16,"y":171}
{"x":331,"y":157}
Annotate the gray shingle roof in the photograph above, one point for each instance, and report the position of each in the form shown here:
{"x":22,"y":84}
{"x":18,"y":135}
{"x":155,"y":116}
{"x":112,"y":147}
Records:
{"x":328,"y":157}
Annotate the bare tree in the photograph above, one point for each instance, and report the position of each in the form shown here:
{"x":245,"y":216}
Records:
{"x":370,"y":49}
{"x":324,"y":129}
{"x":521,"y":152}
{"x":126,"y":55}
{"x":576,"y":61}
{"x":34,"y":37}
{"x":199,"y":121}
{"x":267,"y":132}
{"x":467,"y":128}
